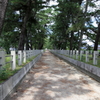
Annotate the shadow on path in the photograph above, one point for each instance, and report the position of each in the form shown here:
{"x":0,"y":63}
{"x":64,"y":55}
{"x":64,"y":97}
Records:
{"x":54,"y":79}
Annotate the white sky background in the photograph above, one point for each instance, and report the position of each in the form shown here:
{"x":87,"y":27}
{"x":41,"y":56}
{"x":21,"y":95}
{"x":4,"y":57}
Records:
{"x":51,"y":3}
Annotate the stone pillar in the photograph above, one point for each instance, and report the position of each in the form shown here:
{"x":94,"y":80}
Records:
{"x":73,"y":53}
{"x":70,"y":53}
{"x":13,"y":53}
{"x":20,"y":58}
{"x":95,"y":57}
{"x":24,"y":60}
{"x":2,"y":58}
{"x":81,"y":53}
{"x":76,"y":54}
{"x":87,"y":56}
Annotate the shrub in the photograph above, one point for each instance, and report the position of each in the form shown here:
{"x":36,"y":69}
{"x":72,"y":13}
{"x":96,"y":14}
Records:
{"x":3,"y":73}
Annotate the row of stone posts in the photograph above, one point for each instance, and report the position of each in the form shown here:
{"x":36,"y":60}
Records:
{"x":79,"y":56}
{"x":22,"y":57}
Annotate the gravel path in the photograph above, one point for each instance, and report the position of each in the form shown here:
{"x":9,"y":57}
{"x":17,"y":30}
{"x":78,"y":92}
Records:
{"x":54,"y":79}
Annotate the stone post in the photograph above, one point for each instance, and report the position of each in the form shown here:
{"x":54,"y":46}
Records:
{"x":87,"y":56}
{"x":24,"y":60}
{"x":81,"y":53}
{"x":20,"y":57}
{"x":13,"y":53}
{"x":70,"y":53}
{"x":95,"y":57}
{"x":2,"y":58}
{"x":76,"y":54}
{"x":73,"y":53}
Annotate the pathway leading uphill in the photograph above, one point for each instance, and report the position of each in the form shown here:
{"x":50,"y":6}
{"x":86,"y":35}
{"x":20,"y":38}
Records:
{"x":54,"y":79}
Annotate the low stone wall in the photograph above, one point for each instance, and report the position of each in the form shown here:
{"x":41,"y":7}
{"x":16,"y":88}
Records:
{"x":91,"y":70}
{"x":11,"y":83}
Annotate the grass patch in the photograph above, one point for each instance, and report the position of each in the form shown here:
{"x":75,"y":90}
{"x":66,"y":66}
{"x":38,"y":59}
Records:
{"x":83,"y":59}
{"x":6,"y":71}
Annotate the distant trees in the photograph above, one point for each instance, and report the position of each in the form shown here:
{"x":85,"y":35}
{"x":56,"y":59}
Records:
{"x":25,"y":25}
{"x":67,"y":23}
{"x":32,"y":23}
{"x":73,"y":20}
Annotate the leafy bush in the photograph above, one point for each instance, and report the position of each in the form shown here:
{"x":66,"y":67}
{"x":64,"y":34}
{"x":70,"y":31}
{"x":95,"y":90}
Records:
{"x":3,"y":73}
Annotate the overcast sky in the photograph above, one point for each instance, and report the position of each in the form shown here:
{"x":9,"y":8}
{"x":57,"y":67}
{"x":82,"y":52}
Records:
{"x":53,"y":3}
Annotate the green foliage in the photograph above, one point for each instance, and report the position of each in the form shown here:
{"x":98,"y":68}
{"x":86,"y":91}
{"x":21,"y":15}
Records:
{"x":3,"y":74}
{"x":35,"y":25}
{"x":48,"y":43}
{"x":57,"y":21}
{"x":6,"y":72}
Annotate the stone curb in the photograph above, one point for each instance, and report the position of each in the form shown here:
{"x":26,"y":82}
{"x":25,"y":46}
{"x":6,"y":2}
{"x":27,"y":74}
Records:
{"x":8,"y":86}
{"x":90,"y":70}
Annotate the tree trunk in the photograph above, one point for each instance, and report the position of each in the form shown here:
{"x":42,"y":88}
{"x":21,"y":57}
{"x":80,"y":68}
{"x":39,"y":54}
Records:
{"x":71,"y":40}
{"x":26,"y":40}
{"x":40,"y":46}
{"x":22,"y":35}
{"x":3,"y":6}
{"x":80,"y":40}
{"x":97,"y":38}
{"x":27,"y":44}
{"x":84,"y":18}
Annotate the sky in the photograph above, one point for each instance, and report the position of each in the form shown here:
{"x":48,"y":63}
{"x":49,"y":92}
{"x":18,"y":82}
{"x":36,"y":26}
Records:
{"x":52,"y":3}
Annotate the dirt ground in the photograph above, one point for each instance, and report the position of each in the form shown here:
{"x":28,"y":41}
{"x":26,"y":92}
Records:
{"x":54,"y":79}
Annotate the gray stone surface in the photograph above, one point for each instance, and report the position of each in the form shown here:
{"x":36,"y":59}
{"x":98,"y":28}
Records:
{"x":87,"y":67}
{"x":78,"y":63}
{"x":69,"y":59}
{"x":91,"y":68}
{"x":82,"y":65}
{"x":72,"y":60}
{"x":15,"y":79}
{"x":1,"y":92}
{"x":59,"y":55}
{"x":94,"y":70}
{"x":21,"y":73}
{"x":7,"y":87}
{"x":66,"y":58}
{"x":33,"y":62}
{"x":98,"y":72}
{"x":30,"y":65}
{"x":75,"y":62}
{"x":26,"y":68}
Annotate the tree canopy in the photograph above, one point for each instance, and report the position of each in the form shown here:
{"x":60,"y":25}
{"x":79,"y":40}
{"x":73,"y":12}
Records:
{"x":34,"y":24}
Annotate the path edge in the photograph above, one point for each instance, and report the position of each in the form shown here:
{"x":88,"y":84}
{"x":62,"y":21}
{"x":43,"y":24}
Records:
{"x":91,"y":75}
{"x":10,"y":85}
